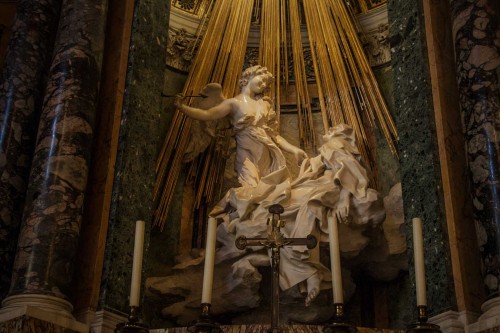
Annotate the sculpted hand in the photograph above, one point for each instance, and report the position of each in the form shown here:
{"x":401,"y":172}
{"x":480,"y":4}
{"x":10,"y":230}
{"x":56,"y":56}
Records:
{"x":299,"y":155}
{"x":342,"y":213}
{"x":342,"y":210}
{"x":178,"y":101}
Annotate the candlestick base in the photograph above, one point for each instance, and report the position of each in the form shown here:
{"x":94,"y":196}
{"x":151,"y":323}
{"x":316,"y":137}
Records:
{"x":339,"y":324}
{"x":205,"y":324}
{"x":422,"y":326}
{"x":133,"y":325}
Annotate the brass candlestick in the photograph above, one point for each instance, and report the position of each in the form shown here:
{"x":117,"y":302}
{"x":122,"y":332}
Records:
{"x":339,"y":324}
{"x":205,"y":324}
{"x":422,"y":326}
{"x":133,"y":325}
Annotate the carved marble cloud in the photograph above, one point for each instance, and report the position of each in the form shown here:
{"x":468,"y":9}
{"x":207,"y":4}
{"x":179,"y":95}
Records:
{"x":333,"y":182}
{"x":366,"y":239}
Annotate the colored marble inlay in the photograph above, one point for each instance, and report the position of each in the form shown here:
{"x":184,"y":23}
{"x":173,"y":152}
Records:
{"x":420,"y":176}
{"x":54,"y":200}
{"x":143,"y":127}
{"x":21,"y":95}
{"x":476,"y":33}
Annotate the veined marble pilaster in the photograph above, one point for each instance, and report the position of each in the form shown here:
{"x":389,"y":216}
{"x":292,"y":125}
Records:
{"x":51,"y":222}
{"x":477,"y":43}
{"x":418,"y":153}
{"x":106,"y":322}
{"x":21,"y":95}
{"x":453,"y":321}
{"x":143,"y":126}
{"x":51,"y":314}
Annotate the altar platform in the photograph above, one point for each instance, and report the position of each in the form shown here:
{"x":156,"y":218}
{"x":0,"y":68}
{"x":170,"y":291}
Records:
{"x":263,"y":329}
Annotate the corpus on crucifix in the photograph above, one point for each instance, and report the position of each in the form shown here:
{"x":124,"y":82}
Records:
{"x":274,"y":242}
{"x":334,"y":181}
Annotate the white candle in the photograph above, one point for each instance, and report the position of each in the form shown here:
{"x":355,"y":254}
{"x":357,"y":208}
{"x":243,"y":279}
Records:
{"x":135,"y":284}
{"x":418,"y":254}
{"x":333,"y":231}
{"x":208,"y":273}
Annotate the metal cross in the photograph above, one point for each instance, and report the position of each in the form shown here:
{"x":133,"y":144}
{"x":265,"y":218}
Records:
{"x":275,"y":241}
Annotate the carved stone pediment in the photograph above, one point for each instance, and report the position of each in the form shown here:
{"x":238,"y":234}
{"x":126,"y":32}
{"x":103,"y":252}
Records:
{"x":377,"y":46}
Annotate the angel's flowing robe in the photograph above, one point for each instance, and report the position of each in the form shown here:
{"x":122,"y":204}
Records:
{"x":265,"y":180}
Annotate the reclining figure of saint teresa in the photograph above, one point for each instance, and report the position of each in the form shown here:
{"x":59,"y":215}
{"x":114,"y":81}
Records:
{"x":333,"y":183}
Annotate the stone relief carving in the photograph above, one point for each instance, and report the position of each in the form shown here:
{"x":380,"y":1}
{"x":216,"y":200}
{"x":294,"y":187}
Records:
{"x":308,"y":62}
{"x":180,"y":51}
{"x":181,"y":48}
{"x":251,"y":57}
{"x":195,"y":7}
{"x":186,"y":4}
{"x":377,"y":46}
{"x":363,"y":6}
{"x":238,"y":284}
{"x":374,"y":3}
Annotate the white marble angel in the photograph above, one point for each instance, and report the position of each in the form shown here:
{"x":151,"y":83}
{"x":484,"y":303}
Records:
{"x":334,"y":182}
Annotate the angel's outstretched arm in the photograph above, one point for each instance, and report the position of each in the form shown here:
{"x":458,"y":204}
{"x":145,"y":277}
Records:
{"x":299,"y":154}
{"x":217,"y":112}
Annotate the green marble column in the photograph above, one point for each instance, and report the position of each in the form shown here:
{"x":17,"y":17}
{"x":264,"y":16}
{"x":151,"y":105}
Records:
{"x":420,"y":172}
{"x":144,"y":124}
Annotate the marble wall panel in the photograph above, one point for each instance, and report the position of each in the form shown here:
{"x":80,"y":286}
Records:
{"x":165,"y":245}
{"x":143,"y":127}
{"x":101,"y":174}
{"x":420,"y":176}
{"x":462,"y":236}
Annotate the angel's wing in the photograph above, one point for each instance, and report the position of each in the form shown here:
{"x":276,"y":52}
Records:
{"x":202,"y":132}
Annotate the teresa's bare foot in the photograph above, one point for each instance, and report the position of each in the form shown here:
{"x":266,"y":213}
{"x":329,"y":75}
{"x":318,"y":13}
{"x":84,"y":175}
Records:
{"x":313,"y":283}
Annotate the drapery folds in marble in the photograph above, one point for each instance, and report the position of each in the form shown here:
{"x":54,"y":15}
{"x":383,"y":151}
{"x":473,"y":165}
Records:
{"x":476,"y":34}
{"x":54,"y":202}
{"x":21,"y":95}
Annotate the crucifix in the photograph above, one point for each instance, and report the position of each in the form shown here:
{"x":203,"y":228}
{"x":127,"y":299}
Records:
{"x":275,"y":241}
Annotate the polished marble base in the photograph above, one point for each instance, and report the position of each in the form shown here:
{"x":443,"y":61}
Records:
{"x":454,"y":321}
{"x":106,"y":321}
{"x":101,"y":321}
{"x":38,"y":313}
{"x":256,"y":328}
{"x":490,"y":319}
{"x":29,"y":324}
